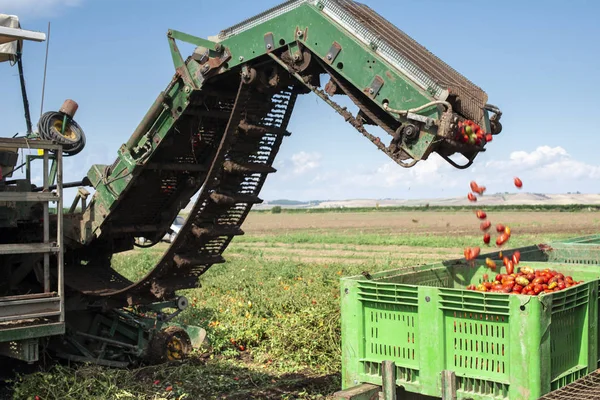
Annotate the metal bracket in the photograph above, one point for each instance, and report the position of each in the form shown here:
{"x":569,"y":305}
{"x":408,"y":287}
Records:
{"x":216,"y":51}
{"x":269,"y":42}
{"x":375,"y":86}
{"x":333,"y":52}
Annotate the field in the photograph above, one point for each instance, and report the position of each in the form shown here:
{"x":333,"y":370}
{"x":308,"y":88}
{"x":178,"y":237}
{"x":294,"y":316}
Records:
{"x":272,"y":311}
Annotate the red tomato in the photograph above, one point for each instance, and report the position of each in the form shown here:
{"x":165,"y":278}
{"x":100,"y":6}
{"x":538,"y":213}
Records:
{"x":518,"y":183}
{"x":481,"y":214}
{"x":510,"y":267}
{"x":538,"y":281}
{"x":516,"y":257}
{"x":474,"y":186}
{"x":488,"y":137}
{"x":500,"y":240}
{"x":486,"y":240}
{"x":471,"y":197}
{"x":485,"y":225}
{"x":500,"y":228}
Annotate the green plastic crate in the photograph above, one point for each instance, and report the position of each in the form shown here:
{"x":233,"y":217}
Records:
{"x":578,"y":250}
{"x":499,"y":346}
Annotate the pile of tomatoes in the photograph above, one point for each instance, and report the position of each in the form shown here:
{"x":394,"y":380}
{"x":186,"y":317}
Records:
{"x":504,"y":232}
{"x":471,"y":133}
{"x":526,"y":282}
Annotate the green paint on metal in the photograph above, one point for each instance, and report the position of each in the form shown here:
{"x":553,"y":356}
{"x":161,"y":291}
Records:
{"x":506,"y":346}
{"x":31,"y":332}
{"x":356,"y":62}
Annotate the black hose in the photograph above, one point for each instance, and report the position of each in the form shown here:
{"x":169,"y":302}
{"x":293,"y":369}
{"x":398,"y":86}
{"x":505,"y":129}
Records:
{"x":23,"y":90}
{"x":48,"y":129}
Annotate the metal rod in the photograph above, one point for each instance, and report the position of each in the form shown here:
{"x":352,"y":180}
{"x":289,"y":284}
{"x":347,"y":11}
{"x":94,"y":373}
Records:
{"x":74,"y":204}
{"x":45,"y":68}
{"x":110,"y":341}
{"x":46,"y":227}
{"x":23,"y":89}
{"x":83,"y":182}
{"x":52,"y":173}
{"x":146,"y":122}
{"x":59,"y":233}
{"x":29,"y":301}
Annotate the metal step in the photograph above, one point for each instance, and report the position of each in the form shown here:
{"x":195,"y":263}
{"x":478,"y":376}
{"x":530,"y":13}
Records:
{"x":216,"y":231}
{"x":229,"y":199}
{"x":258,"y":131}
{"x":247,"y":168}
{"x":29,"y":248}
{"x":188,"y":261}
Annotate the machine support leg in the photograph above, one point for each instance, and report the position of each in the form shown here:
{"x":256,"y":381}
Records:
{"x":448,"y":385}
{"x":388,"y":376}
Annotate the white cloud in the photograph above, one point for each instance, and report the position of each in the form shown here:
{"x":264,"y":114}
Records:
{"x":304,"y":162}
{"x":36,"y":8}
{"x":546,"y":163}
{"x":544,"y":169}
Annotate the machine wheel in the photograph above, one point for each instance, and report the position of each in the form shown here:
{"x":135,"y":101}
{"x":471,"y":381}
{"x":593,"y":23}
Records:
{"x":169,"y":345}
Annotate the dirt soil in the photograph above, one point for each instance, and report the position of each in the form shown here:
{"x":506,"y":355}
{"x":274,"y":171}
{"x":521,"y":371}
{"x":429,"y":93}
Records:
{"x":435,"y":223}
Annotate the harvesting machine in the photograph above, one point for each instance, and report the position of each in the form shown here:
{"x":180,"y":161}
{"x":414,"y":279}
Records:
{"x":210,"y":138}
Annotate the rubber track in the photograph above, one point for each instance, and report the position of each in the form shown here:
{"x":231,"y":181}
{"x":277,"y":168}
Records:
{"x":244,"y":158}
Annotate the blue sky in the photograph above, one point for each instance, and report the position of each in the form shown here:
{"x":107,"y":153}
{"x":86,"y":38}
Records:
{"x":539,"y":61}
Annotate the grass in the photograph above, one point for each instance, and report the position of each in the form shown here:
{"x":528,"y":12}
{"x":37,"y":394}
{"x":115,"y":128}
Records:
{"x":272,"y":316}
{"x":357,"y":238}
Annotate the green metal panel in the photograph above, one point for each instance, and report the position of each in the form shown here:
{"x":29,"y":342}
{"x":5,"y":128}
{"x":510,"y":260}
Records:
{"x":356,"y":62}
{"x":500,"y":346}
{"x":31,"y":332}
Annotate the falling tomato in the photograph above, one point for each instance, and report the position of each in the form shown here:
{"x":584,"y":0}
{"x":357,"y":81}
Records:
{"x":474,"y":186}
{"x":507,"y":231}
{"x":518,"y":183}
{"x":500,"y":240}
{"x":471,"y":197}
{"x":516,"y":257}
{"x":487,"y":238}
{"x":481,"y":214}
{"x":500,"y":228}
{"x":485,"y":225}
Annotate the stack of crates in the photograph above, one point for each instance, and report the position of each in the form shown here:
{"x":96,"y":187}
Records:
{"x":499,"y":346}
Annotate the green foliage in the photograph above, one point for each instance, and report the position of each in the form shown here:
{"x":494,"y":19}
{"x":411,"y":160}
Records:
{"x":276,"y":210}
{"x":195,"y":379}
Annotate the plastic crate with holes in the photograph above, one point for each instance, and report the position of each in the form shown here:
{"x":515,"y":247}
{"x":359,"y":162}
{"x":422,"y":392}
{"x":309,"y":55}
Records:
{"x":500,"y":346}
{"x":579,"y":250}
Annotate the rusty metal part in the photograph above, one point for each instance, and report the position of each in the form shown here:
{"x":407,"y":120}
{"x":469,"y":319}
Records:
{"x":467,"y":98}
{"x":69,"y":107}
{"x":333,"y":53}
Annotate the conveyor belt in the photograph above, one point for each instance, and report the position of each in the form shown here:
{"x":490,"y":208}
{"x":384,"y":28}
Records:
{"x":241,"y":156}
